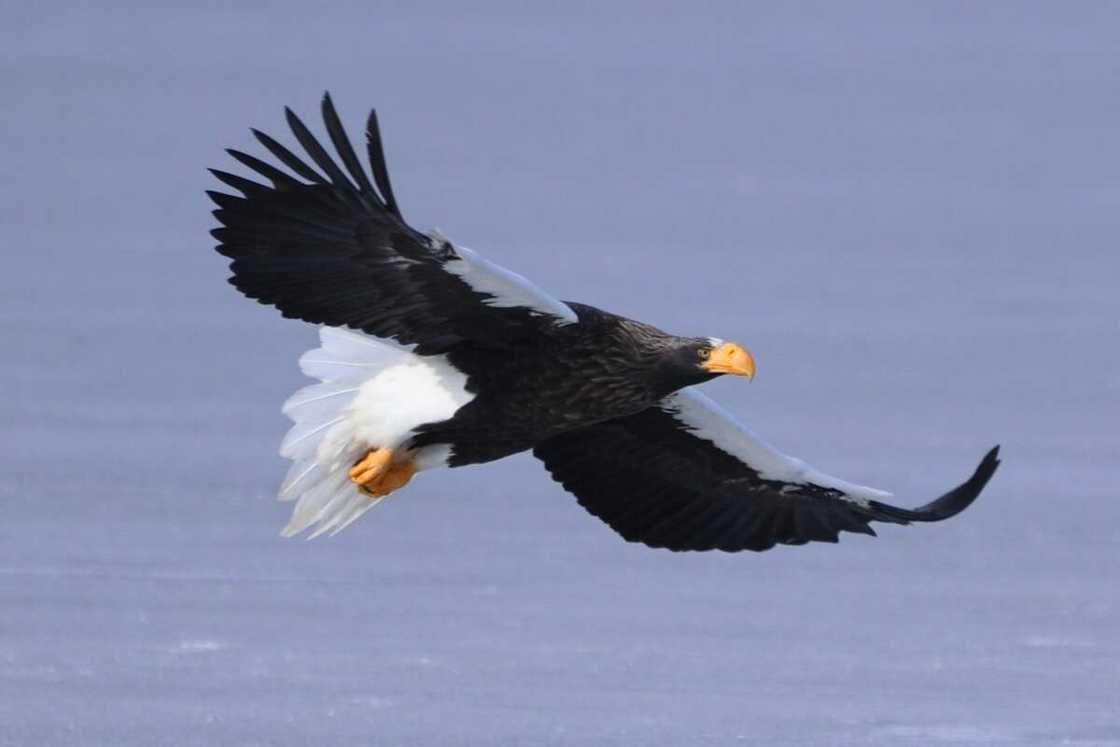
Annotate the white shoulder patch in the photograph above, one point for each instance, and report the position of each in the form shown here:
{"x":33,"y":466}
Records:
{"x":707,"y":420}
{"x":507,"y":289}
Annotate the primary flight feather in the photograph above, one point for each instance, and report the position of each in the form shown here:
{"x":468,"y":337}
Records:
{"x":432,"y":356}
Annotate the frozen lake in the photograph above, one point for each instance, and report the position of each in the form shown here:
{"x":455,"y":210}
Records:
{"x":911,"y":216}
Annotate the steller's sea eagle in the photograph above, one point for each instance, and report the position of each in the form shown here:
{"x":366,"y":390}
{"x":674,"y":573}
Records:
{"x":431,"y":356}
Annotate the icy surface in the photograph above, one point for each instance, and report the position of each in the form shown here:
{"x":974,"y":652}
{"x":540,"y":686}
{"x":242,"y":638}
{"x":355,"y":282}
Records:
{"x":910,"y":215}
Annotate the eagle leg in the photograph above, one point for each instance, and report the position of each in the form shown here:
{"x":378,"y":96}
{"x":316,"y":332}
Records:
{"x":376,"y":474}
{"x":395,"y":478}
{"x":369,"y":469}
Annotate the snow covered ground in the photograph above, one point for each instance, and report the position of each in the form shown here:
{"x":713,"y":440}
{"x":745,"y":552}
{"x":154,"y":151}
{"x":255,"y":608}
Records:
{"x":909,"y":213}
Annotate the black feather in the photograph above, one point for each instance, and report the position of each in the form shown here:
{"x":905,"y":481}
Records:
{"x":342,"y":145}
{"x":245,"y":186}
{"x":950,"y":504}
{"x":276,"y":176}
{"x":289,"y":159}
{"x":321,"y":158}
{"x":682,"y":492}
{"x":377,"y":164}
{"x":329,"y":252}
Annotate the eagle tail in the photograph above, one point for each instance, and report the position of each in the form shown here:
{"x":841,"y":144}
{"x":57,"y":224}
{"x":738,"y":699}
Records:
{"x":323,"y":442}
{"x":373,"y":394}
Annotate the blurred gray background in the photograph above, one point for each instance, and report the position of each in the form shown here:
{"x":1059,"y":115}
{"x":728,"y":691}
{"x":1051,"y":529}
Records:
{"x":908,"y":211}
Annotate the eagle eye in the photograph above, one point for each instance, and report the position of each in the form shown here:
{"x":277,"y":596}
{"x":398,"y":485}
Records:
{"x":705,"y":353}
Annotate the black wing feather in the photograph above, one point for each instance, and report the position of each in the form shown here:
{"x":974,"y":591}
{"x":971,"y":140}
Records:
{"x":318,"y":154}
{"x":378,"y":165}
{"x":333,"y":251}
{"x":950,"y":504}
{"x":278,"y":178}
{"x":342,"y":145}
{"x":245,"y":186}
{"x":288,"y":158}
{"x":654,"y":481}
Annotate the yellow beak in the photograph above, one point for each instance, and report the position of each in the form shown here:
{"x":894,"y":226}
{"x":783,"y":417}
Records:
{"x":730,"y":358}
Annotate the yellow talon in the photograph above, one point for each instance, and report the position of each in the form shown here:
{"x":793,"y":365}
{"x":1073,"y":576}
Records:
{"x":396,"y":477}
{"x":376,"y":474}
{"x":371,"y":466}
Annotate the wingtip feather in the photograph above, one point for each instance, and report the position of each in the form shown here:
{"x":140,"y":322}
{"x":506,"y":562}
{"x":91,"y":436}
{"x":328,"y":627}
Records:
{"x":951,"y":503}
{"x":378,"y":166}
{"x":343,"y":147}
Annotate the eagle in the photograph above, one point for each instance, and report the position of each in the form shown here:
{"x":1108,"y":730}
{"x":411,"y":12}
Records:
{"x":432,"y":356}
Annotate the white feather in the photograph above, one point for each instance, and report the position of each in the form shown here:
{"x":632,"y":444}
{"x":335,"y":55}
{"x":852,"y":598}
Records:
{"x":313,"y":502}
{"x":318,"y":401}
{"x":432,"y":456}
{"x":339,"y":503}
{"x":707,"y":420}
{"x":297,"y":476}
{"x":346,"y":355}
{"x":354,"y":513}
{"x":406,"y":394}
{"x":304,"y":437}
{"x":374,"y":393}
{"x":507,"y":289}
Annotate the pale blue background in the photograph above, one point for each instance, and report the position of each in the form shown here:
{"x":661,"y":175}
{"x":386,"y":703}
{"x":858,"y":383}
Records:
{"x":908,"y":211}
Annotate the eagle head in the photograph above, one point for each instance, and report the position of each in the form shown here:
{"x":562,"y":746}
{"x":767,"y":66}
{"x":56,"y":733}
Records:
{"x":695,"y":360}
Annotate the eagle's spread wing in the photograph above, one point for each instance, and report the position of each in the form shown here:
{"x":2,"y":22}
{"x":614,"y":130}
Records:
{"x":332,"y":248}
{"x":685,"y":476}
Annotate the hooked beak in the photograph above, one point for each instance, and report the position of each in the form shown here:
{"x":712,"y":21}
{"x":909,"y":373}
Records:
{"x":730,"y":358}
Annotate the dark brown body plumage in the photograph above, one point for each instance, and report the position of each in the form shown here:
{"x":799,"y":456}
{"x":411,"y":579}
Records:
{"x":606,"y":366}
